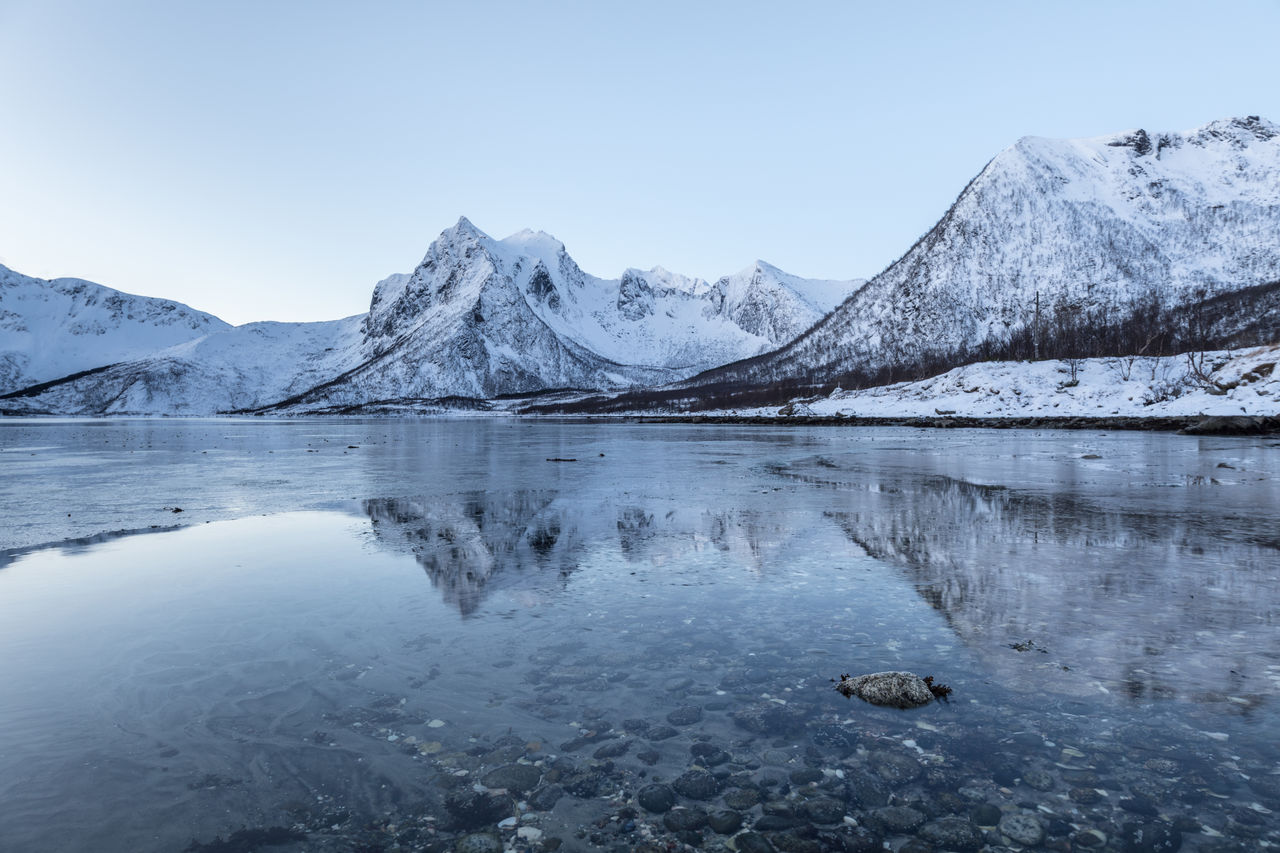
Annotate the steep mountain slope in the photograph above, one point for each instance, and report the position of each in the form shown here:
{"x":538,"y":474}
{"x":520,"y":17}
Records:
{"x":1084,"y":244}
{"x":52,"y":328}
{"x":477,"y":318}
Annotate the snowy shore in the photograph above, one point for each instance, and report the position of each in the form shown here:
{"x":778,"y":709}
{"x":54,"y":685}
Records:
{"x":1222,"y":383}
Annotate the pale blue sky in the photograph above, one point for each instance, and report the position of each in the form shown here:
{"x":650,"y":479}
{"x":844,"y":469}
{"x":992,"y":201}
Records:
{"x":273,"y":160}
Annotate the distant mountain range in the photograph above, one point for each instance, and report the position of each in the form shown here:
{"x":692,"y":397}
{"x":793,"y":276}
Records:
{"x":478,"y":318}
{"x":1137,"y":242}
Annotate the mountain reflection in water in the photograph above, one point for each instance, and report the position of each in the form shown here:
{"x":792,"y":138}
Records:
{"x":1054,"y":589}
{"x":1057,"y":589}
{"x":473,"y":543}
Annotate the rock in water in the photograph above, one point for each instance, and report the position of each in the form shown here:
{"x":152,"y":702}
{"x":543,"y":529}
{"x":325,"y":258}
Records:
{"x":895,"y":689}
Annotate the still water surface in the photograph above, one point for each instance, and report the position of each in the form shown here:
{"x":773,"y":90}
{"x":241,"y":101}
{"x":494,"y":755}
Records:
{"x":392,"y":635}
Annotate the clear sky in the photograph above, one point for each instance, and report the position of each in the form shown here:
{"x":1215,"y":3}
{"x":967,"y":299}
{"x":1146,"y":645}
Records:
{"x":273,"y":160}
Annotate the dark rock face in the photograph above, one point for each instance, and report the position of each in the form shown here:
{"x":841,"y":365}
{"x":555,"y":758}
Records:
{"x":542,"y":288}
{"x":635,"y":296}
{"x":1139,"y":141}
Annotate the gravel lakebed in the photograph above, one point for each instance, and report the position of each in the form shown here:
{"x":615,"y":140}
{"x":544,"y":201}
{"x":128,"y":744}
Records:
{"x":747,"y":759}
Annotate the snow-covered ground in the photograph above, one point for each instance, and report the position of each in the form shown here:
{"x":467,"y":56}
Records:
{"x":1243,"y":382}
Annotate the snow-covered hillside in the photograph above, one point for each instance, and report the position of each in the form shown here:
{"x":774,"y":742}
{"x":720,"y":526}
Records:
{"x":239,"y":368}
{"x":1059,"y":230}
{"x":478,"y":317}
{"x":53,"y":328}
{"x":1210,"y":383}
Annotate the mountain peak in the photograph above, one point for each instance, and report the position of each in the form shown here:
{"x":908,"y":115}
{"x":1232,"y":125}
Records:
{"x":756,"y":268}
{"x":464,"y":228}
{"x":537,"y":244}
{"x":461,"y":240}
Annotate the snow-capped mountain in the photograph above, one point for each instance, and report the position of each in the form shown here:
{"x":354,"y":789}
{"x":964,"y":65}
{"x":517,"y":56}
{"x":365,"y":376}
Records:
{"x":477,"y":318}
{"x":53,"y":328}
{"x":1055,"y":238}
{"x":481,"y":317}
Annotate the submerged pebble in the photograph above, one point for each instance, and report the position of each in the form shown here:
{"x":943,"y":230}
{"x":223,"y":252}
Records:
{"x":1024,"y":829}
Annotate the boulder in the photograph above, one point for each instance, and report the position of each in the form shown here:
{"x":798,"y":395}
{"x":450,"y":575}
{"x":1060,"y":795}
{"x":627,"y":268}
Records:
{"x":892,"y":689}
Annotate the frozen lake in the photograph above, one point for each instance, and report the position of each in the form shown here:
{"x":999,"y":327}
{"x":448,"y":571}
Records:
{"x":396,"y":634}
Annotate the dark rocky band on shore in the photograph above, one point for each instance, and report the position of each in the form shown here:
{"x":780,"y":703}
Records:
{"x":1194,"y":425}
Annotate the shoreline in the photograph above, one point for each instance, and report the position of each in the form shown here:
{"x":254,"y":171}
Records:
{"x":1199,"y":424}
{"x":1187,"y":424}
